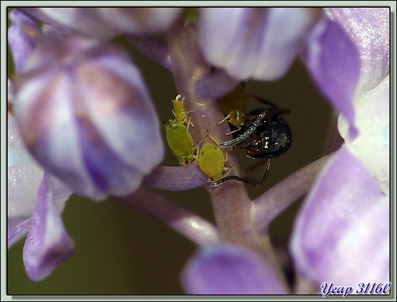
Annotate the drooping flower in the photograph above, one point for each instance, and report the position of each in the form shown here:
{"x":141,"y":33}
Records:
{"x":86,"y":116}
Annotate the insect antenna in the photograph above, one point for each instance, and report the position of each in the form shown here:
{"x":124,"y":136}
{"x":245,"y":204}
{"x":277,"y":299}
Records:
{"x":247,"y":133}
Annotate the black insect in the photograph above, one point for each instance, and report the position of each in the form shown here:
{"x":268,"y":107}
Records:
{"x":270,"y":138}
{"x":264,"y":135}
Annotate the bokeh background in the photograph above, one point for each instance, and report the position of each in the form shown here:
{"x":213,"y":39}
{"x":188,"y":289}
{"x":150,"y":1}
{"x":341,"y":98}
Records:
{"x":120,"y":250}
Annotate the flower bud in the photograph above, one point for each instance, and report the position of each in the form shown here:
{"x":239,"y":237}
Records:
{"x":86,"y":116}
{"x":256,"y":43}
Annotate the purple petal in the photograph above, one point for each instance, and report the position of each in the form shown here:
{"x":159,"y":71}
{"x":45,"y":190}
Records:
{"x":22,"y":35}
{"x":105,"y":23}
{"x":373,"y":121}
{"x":153,"y":48}
{"x":254,"y":43}
{"x":17,"y":229}
{"x":368,"y":28}
{"x":334,"y":63}
{"x":214,"y":85}
{"x":140,"y":20}
{"x":48,"y":243}
{"x":227,"y":269}
{"x":23,"y":184}
{"x":24,"y":175}
{"x":94,"y":125}
{"x":342,"y":232}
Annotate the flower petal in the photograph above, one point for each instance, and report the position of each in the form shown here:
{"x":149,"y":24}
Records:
{"x":368,"y":28}
{"x":373,"y":122}
{"x":254,"y":43}
{"x":105,"y":23}
{"x":341,"y":234}
{"x":86,"y":116}
{"x":17,"y":229}
{"x":226,"y":269}
{"x":22,"y":35}
{"x":48,"y":243}
{"x":24,"y":175}
{"x":214,"y":85}
{"x":334,"y":63}
{"x":143,"y":20}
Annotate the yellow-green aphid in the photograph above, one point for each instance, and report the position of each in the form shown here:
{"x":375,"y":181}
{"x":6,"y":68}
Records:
{"x":178,"y":136}
{"x":179,"y":110}
{"x":233,"y":105}
{"x":211,"y":161}
{"x":180,"y":142}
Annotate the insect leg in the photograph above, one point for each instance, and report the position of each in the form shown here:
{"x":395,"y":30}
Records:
{"x":232,"y":177}
{"x":266,"y":172}
{"x":257,"y":165}
{"x":242,"y":179}
{"x":246,"y":134}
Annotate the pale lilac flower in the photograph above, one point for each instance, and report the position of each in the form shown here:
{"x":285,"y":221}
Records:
{"x":84,"y":91}
{"x":227,"y":269}
{"x":92,"y":116}
{"x":105,"y":23}
{"x":22,"y":35}
{"x":345,"y":218}
{"x":35,"y":198}
{"x":261,"y":44}
{"x":342,"y":232}
{"x":35,"y":201}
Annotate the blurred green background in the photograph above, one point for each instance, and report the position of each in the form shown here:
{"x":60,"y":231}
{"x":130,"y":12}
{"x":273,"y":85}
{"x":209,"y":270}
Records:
{"x":120,"y":250}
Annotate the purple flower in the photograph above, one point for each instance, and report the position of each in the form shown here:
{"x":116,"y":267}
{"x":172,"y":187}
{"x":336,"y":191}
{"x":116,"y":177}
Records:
{"x":22,"y":35}
{"x":105,"y":23}
{"x":85,"y":115}
{"x":35,"y":201}
{"x":261,"y":44}
{"x":342,"y":232}
{"x":227,"y":269}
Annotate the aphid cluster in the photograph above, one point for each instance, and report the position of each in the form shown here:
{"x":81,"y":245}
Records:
{"x":208,"y":156}
{"x":262,"y":134}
